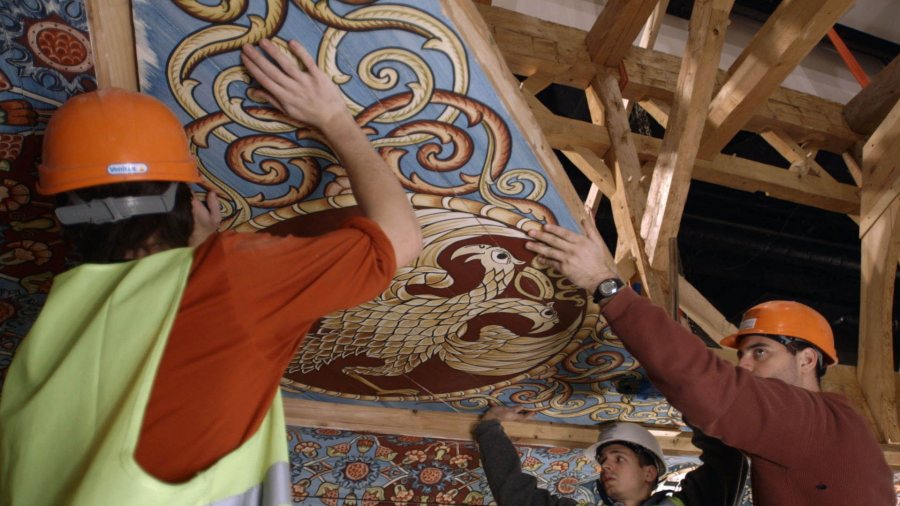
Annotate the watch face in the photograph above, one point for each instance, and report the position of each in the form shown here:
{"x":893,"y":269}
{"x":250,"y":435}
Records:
{"x":609,"y":287}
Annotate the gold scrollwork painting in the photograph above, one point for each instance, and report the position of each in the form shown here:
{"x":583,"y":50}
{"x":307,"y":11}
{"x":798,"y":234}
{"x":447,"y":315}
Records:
{"x":476,"y":319}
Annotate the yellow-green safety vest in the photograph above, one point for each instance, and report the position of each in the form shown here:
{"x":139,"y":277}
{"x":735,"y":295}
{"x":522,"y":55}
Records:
{"x":75,"y":396}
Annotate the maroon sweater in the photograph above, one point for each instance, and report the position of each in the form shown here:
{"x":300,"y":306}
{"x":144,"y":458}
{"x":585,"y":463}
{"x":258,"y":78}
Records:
{"x":806,"y":448}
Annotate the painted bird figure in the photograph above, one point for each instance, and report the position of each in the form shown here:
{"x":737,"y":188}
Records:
{"x":405,"y":330}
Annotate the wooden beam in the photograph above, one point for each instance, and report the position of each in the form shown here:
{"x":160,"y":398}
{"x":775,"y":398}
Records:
{"x":629,"y":196}
{"x":458,"y":426}
{"x":729,"y":171}
{"x":595,"y":106}
{"x":880,"y":253}
{"x":784,"y":40}
{"x":615,"y":29}
{"x":651,"y":28}
{"x":672,"y":175}
{"x":593,"y":199}
{"x":537,"y":82}
{"x":868,"y":108}
{"x":112,"y":43}
{"x":853,"y":167}
{"x":657,"y":109}
{"x":880,"y":170}
{"x":703,"y":313}
{"x":801,"y":160}
{"x":529,"y":43}
{"x":593,"y":167}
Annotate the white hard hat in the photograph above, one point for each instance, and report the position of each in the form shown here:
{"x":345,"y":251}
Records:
{"x":631,"y":433}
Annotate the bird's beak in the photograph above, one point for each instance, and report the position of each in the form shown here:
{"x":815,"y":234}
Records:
{"x":541,"y":327}
{"x":472,"y":249}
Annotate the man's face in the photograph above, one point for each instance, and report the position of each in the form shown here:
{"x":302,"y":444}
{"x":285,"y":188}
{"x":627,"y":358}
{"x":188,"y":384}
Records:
{"x":623,"y":476}
{"x":767,"y":358}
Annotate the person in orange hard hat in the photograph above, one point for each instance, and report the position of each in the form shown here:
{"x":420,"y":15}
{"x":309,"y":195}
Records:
{"x":151,"y":375}
{"x":795,"y":326}
{"x":806,"y":446}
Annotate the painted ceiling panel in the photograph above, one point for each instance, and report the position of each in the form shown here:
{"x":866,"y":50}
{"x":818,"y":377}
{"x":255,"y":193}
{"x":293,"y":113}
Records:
{"x":476,"y":320}
{"x":45,"y":57}
{"x":336,"y":467}
{"x":568,"y":365}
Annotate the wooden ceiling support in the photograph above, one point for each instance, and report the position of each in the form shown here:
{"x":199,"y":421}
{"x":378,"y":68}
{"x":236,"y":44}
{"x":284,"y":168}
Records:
{"x":802,"y":162}
{"x":703,"y":313}
{"x":657,"y":109}
{"x":880,"y":170}
{"x":783,"y":41}
{"x":593,"y":167}
{"x":629,"y":199}
{"x":616,"y":28}
{"x":458,"y":426}
{"x":654,"y":23}
{"x":529,"y":44}
{"x":672,"y":175}
{"x":880,"y":233}
{"x":537,"y":82}
{"x":112,"y":43}
{"x":729,"y":171}
{"x":868,"y":108}
{"x":875,"y":366}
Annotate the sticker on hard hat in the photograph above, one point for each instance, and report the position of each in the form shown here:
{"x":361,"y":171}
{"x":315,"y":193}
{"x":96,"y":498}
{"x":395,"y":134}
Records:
{"x":124,"y":169}
{"x":749,"y":323}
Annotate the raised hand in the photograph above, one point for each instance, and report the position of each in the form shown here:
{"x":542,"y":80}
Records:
{"x":583,"y":259}
{"x":307,"y":95}
{"x":207,"y":218}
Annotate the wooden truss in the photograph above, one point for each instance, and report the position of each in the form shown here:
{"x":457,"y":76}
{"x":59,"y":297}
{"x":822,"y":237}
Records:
{"x":647,"y":180}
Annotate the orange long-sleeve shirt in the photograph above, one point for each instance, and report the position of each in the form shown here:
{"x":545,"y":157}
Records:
{"x":249,"y":301}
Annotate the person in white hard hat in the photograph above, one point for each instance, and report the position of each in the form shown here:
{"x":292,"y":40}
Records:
{"x":632,"y":464}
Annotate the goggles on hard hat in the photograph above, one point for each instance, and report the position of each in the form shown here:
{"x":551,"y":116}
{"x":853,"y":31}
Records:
{"x":112,"y":209}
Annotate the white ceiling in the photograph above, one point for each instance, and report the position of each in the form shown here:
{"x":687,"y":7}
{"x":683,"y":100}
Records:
{"x":875,"y":17}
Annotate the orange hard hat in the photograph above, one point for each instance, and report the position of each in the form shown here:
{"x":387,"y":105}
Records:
{"x":788,"y":319}
{"x":113,"y":136}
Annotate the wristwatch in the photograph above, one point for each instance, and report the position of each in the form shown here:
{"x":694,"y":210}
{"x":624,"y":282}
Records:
{"x":607,"y":288}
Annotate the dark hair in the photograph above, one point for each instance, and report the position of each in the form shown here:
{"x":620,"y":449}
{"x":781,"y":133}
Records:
{"x":795,"y":346}
{"x":114,"y":242}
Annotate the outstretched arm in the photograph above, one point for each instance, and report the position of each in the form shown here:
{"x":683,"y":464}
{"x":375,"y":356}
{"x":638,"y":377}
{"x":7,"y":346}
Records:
{"x":310,"y":96}
{"x":509,"y":484}
{"x":728,"y":403}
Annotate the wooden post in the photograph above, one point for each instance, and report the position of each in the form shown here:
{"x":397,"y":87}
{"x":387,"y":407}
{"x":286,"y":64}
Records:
{"x":615,"y":29}
{"x":784,"y":40}
{"x":867,"y":109}
{"x":875,"y":366}
{"x":880,"y":234}
{"x":672,"y":175}
{"x":630,"y":197}
{"x":112,"y":42}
